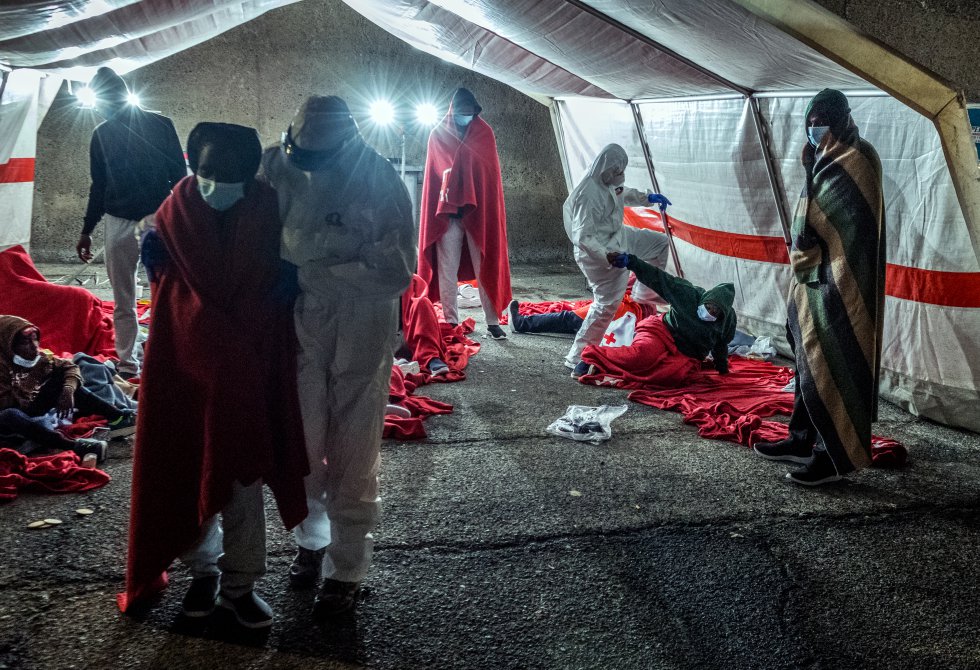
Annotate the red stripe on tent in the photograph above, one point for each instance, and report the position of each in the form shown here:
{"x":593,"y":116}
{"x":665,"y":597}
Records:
{"x":935,"y":287}
{"x":736,"y":245}
{"x":17,"y":170}
{"x":949,"y":289}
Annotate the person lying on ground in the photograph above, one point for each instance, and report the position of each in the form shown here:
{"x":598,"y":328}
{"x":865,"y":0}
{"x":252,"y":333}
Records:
{"x":34,"y":381}
{"x":568,"y":321}
{"x":669,"y":349}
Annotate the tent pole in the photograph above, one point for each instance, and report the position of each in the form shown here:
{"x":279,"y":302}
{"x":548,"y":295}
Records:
{"x":638,"y":120}
{"x":777,"y":191}
{"x":560,"y":136}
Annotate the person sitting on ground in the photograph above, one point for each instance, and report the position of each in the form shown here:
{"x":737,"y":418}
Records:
{"x":219,"y":408}
{"x":420,"y":332}
{"x":669,"y":349}
{"x":35,"y":381}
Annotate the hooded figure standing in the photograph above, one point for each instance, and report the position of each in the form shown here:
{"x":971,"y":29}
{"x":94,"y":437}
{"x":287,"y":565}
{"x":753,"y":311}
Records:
{"x":593,"y":215}
{"x":463,"y":228}
{"x":135,"y":160}
{"x":836,"y":298}
{"x":349,"y":230}
{"x":668,"y":349}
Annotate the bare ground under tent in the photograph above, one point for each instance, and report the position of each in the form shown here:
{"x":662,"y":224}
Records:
{"x":679,"y":553}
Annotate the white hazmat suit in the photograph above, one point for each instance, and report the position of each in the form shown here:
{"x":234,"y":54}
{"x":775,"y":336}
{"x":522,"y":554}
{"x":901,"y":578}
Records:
{"x":348,"y":227}
{"x":593,"y":217}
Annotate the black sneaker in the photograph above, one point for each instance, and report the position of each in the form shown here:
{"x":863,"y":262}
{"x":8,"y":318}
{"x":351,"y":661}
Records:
{"x":785,"y":450}
{"x":438,"y":367}
{"x":249,"y":610}
{"x":305,"y":569}
{"x":821,"y":470}
{"x":201,"y":597}
{"x":515,"y":317}
{"x":496,"y":333}
{"x":335,"y":598}
{"x":123,"y":426}
{"x":581,"y":369}
{"x":85,"y":445}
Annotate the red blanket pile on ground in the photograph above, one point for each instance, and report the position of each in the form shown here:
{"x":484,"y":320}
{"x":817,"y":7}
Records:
{"x":457,"y":349}
{"x":732,"y":407}
{"x":60,"y":473}
{"x":70,"y":318}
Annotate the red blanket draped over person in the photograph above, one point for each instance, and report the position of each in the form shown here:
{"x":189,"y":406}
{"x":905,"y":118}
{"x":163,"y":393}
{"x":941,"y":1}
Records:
{"x":429,"y":338}
{"x":71,"y":318}
{"x":651,"y":360}
{"x":464,"y":176}
{"x":218,"y":400}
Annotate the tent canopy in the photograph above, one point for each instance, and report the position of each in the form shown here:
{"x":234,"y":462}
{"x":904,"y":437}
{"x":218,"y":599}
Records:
{"x":706,"y":97}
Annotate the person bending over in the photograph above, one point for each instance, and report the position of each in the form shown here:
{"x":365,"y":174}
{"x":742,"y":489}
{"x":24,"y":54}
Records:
{"x":668,"y":349}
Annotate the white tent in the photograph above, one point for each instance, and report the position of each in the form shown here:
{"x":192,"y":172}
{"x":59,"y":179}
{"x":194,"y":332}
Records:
{"x":707,"y":98}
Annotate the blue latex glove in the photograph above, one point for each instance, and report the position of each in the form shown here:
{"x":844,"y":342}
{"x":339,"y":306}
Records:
{"x":657,"y":199}
{"x":619,"y":260}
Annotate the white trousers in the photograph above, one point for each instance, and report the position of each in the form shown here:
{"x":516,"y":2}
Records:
{"x":449,"y":250}
{"x":608,"y":285}
{"x":344,"y":374}
{"x":235,"y":547}
{"x":122,"y":254}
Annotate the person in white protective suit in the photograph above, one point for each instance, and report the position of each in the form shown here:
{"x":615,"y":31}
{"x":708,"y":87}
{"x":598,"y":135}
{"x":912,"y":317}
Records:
{"x":593,"y":217}
{"x":348,"y":228}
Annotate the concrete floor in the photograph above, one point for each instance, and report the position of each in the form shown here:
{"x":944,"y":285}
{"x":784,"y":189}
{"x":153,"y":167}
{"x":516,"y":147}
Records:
{"x":679,"y":553}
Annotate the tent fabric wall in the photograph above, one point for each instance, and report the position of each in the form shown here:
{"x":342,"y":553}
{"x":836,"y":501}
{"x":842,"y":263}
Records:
{"x":27,"y":95}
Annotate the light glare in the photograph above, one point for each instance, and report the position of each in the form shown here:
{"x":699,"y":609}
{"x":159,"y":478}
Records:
{"x":133,"y":99}
{"x":382,"y":112}
{"x":427,"y":114}
{"x":86,"y":97}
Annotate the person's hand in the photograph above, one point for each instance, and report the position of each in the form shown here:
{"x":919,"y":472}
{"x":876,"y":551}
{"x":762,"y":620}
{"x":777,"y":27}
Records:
{"x":66,"y":403}
{"x":618,"y":259}
{"x":84,"y":247}
{"x":657,"y":199}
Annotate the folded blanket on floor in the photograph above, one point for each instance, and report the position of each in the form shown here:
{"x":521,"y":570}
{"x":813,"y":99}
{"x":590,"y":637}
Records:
{"x":731,"y":407}
{"x":70,"y":318}
{"x":60,"y":473}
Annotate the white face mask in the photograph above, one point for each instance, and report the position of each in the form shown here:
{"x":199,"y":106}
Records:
{"x":463,"y":120}
{"x":705,"y":315}
{"x":816,"y":133}
{"x":219,"y":195}
{"x":26,"y":363}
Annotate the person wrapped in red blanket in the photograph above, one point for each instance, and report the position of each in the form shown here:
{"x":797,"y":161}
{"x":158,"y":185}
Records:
{"x":463,"y":227}
{"x":35,"y":381}
{"x":219,"y":413}
{"x":668,"y":350}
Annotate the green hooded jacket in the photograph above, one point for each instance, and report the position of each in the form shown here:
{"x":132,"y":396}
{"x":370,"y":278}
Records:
{"x":693,"y":336}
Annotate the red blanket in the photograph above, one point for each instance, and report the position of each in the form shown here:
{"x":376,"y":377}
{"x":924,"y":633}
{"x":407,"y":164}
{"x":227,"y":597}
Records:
{"x":60,"y":473}
{"x":652,"y":360}
{"x":218,"y":399}
{"x":401,"y":392}
{"x":731,"y":407}
{"x":70,"y":318}
{"x":465,"y":175}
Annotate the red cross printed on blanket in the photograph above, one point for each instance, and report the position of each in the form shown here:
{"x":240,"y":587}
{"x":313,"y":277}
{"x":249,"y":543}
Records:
{"x":610,"y":338}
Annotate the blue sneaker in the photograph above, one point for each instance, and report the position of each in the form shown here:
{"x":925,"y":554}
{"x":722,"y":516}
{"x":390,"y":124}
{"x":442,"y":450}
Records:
{"x":581,"y":369}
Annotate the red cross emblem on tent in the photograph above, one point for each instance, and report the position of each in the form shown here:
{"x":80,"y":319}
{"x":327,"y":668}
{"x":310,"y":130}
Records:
{"x":610,"y":338}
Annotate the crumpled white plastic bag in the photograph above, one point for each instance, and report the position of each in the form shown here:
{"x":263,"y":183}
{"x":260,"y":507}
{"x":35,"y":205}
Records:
{"x":587,"y":424}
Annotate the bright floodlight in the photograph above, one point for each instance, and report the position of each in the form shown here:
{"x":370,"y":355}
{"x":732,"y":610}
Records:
{"x":86,"y":97}
{"x":382,"y":112}
{"x":133,"y":99}
{"x":427,"y":114}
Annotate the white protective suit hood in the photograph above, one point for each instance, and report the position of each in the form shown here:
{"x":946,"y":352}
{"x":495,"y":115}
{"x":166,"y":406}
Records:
{"x":593,"y":216}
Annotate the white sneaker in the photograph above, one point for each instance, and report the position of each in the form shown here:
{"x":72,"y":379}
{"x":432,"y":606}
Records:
{"x":467,"y":296}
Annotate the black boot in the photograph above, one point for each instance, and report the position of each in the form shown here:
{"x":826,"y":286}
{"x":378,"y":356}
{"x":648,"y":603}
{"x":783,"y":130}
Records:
{"x":305,"y":569}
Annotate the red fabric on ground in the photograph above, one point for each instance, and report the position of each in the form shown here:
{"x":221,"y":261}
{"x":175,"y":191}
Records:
{"x":70,"y":318}
{"x":401,"y":392}
{"x":465,"y":175}
{"x":731,"y":407}
{"x":430,"y":338}
{"x":218,"y":400}
{"x":83,"y":426}
{"x":60,"y":473}
{"x":652,"y":360}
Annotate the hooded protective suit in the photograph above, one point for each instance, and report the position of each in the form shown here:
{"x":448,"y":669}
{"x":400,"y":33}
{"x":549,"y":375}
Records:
{"x":593,"y":217}
{"x":348,"y":227}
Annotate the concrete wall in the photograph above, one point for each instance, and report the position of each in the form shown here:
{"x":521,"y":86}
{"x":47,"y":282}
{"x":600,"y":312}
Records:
{"x":259,"y":73}
{"x":939,"y":34}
